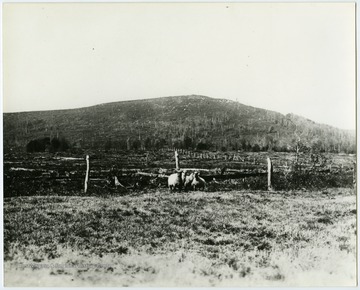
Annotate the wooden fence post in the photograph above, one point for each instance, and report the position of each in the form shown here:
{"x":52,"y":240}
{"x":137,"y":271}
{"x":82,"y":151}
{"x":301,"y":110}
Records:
{"x":177,"y":160}
{"x":270,"y":169}
{"x":87,"y":173}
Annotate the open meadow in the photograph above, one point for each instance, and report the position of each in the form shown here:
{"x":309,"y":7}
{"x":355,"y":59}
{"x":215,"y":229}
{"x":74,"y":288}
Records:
{"x":157,"y":238}
{"x":235,"y":233}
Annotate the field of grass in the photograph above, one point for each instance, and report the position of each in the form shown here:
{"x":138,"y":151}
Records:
{"x":157,"y":238}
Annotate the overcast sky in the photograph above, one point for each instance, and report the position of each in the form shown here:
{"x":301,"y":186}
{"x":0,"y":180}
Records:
{"x":290,"y":58}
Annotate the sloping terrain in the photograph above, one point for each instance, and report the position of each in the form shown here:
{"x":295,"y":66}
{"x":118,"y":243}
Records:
{"x":192,"y":122}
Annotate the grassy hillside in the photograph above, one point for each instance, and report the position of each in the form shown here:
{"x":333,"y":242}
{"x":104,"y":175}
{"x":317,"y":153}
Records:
{"x":193,"y":122}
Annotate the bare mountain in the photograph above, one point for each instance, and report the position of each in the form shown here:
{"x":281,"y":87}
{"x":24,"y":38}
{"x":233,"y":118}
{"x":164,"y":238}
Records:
{"x":196,"y":122}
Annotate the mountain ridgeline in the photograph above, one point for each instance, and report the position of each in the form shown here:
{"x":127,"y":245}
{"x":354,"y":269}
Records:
{"x":190,"y":122}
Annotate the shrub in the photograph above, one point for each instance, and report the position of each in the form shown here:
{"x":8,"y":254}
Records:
{"x":38,"y":145}
{"x":44,"y":144}
{"x":58,"y":145}
{"x":311,"y":179}
{"x":202,"y":146}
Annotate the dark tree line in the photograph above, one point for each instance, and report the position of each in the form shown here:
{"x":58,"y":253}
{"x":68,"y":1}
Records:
{"x":47,"y":145}
{"x":228,"y":144}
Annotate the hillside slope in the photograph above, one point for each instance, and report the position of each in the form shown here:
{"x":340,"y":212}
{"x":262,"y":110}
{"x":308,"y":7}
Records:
{"x":195,"y":122}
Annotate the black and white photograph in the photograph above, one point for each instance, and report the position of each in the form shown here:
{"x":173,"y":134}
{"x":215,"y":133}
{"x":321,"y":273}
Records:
{"x":179,"y":144}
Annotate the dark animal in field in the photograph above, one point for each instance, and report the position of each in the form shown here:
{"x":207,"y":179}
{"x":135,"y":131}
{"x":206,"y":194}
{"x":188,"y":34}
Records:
{"x":198,"y":182}
{"x":175,"y":181}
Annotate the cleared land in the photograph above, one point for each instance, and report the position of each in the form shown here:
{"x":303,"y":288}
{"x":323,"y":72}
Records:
{"x":157,"y":238}
{"x":64,"y":173}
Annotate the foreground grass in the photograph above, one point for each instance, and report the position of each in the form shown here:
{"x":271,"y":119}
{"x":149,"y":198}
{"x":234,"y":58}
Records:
{"x":182,"y":239}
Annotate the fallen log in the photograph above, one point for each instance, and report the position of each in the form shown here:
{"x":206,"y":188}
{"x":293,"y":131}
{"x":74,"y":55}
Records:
{"x":151,"y":174}
{"x":209,"y":178}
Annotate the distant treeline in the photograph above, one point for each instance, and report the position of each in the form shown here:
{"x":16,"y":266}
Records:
{"x":232,"y":145}
{"x":47,"y":145}
{"x":61,"y":144}
{"x":267,"y":143}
